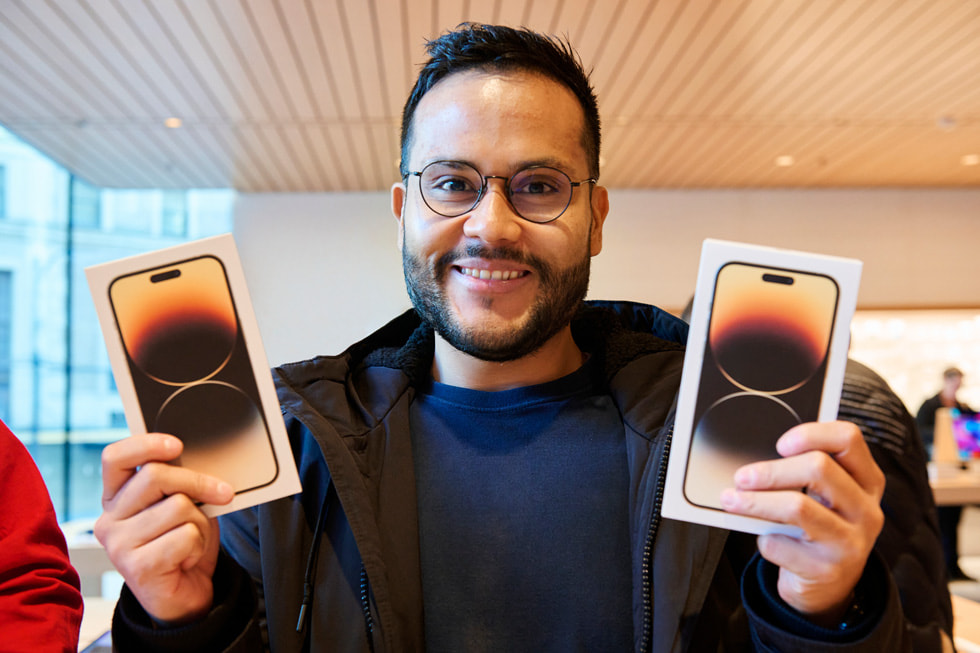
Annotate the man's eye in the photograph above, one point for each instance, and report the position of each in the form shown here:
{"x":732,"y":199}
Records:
{"x":448,"y":186}
{"x":454,"y":185}
{"x":537,"y":186}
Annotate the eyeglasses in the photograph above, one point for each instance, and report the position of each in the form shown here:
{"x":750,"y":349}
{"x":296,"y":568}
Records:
{"x":537,"y":194}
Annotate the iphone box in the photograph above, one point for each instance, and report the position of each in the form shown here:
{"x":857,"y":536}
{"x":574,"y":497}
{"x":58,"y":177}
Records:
{"x":766,"y":351}
{"x":187,"y":358}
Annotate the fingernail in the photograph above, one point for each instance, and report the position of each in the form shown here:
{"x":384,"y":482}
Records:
{"x":744,"y":476}
{"x":729,"y":498}
{"x":224,"y":489}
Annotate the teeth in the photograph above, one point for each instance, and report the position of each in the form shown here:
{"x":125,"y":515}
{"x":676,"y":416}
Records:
{"x":496,"y":275}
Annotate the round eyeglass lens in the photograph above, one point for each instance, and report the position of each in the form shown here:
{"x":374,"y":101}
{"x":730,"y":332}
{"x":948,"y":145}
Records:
{"x":450,"y":188}
{"x":540,"y":194}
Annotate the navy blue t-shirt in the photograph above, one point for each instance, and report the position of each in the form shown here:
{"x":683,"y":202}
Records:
{"x":523,"y":517}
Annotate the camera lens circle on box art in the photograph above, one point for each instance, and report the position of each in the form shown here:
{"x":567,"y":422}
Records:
{"x":181,"y":326}
{"x":771,"y":332}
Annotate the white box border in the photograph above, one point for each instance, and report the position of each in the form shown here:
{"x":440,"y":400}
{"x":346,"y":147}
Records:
{"x":714,"y":255}
{"x":222,"y":247}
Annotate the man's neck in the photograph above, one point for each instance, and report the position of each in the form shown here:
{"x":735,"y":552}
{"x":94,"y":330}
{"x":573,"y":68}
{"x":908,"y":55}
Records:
{"x":558,"y":357}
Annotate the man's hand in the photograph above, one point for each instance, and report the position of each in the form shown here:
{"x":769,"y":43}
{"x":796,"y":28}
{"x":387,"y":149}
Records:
{"x":163,"y":545}
{"x":839,"y":513}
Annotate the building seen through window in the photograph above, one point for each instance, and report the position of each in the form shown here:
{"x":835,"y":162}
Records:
{"x":3,"y":191}
{"x":56,"y":388}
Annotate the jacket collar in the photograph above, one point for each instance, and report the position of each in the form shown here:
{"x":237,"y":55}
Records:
{"x":601,"y":328}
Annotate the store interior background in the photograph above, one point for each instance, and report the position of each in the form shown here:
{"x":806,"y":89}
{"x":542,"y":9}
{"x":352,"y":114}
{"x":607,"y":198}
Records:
{"x":294,"y":106}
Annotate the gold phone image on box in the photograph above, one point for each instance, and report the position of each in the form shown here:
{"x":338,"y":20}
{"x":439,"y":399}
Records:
{"x":191,"y":371}
{"x":765,"y":360}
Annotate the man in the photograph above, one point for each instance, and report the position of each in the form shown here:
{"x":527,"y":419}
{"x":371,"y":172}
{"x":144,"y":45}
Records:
{"x":945,"y":398}
{"x":485,"y":472}
{"x":949,"y":516}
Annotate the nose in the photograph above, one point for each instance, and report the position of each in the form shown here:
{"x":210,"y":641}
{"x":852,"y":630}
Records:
{"x":493,"y":219}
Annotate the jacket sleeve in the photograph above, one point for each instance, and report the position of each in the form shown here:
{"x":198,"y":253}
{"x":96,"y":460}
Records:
{"x":774,"y":626}
{"x":906,"y":568}
{"x":234,"y":624}
{"x":237,"y":622}
{"x":40,"y":597}
{"x":909,"y":542}
{"x":230,"y":626}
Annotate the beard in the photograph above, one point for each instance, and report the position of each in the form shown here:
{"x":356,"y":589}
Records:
{"x":560,"y":294}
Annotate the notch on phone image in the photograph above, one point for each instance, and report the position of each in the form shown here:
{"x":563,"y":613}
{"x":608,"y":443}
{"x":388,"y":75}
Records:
{"x":191,"y":371}
{"x":763,"y":370}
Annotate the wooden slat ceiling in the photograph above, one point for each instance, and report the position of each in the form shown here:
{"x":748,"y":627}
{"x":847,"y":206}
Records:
{"x":305,"y":95}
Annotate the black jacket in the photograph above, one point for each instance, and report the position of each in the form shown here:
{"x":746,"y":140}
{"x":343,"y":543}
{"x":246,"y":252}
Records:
{"x":353,"y":534}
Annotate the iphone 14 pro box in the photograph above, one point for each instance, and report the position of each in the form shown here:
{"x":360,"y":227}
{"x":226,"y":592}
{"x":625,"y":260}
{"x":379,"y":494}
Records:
{"x":766,"y":351}
{"x":186,"y":355}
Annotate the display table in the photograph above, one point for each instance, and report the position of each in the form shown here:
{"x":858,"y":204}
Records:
{"x":966,"y":624}
{"x":954,"y":487}
{"x":96,"y":620}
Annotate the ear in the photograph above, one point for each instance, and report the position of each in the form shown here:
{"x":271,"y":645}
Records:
{"x":398,"y":195}
{"x":600,"y":209}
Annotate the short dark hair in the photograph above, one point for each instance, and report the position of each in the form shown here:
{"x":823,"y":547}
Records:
{"x":497,"y":48}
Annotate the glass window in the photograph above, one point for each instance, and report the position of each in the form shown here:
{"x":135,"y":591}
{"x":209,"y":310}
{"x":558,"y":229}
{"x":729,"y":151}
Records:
{"x":6,"y":315}
{"x":3,"y":192}
{"x":56,"y":388}
{"x":174,"y":212}
{"x":131,"y":211}
{"x":86,"y":205}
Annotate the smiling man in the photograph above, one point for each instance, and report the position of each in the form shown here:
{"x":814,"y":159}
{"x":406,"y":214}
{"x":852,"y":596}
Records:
{"x":485,"y":472}
{"x":496,"y":288}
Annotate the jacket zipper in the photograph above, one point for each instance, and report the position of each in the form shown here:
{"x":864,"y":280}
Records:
{"x":647,"y":568}
{"x":365,"y":591}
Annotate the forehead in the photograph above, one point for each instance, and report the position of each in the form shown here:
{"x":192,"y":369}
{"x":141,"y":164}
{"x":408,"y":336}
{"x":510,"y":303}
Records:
{"x":499,"y":119}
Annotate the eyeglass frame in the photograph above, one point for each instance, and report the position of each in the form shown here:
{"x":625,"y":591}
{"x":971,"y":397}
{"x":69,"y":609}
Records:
{"x":484,"y":185}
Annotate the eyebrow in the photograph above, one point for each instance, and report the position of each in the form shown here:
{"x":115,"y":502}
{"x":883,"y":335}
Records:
{"x":551,"y":162}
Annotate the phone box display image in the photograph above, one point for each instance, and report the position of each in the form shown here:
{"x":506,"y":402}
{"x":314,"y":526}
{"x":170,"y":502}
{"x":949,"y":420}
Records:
{"x":187,"y":359}
{"x":766,"y":351}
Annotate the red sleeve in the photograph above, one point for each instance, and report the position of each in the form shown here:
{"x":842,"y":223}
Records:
{"x":40,"y":600}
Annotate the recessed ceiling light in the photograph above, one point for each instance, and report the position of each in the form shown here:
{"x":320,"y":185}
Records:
{"x":173,"y":123}
{"x":946,"y":123}
{"x":785,"y":161}
{"x":970,"y":160}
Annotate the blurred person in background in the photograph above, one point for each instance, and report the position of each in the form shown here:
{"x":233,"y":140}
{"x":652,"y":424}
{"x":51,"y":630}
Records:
{"x":949,"y":516}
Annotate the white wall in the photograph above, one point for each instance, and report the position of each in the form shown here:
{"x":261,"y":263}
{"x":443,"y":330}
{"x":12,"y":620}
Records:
{"x":324,"y":269}
{"x":920,"y":248}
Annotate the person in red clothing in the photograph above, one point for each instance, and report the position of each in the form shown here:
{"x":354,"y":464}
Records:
{"x":40,"y":595}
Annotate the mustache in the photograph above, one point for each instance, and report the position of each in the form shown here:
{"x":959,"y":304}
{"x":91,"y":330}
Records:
{"x":476,"y":250}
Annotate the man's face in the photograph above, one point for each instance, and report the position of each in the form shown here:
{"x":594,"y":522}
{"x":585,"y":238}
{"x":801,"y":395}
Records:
{"x":491,"y":283}
{"x":953,"y":383}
